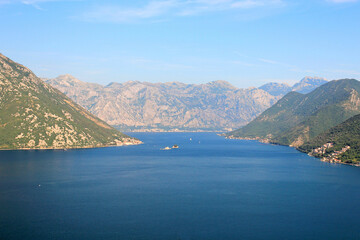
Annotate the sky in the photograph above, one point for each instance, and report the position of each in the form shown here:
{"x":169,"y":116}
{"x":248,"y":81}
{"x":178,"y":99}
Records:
{"x":245,"y":42}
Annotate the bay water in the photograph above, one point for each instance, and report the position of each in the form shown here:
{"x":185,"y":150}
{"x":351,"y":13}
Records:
{"x":209,"y":188}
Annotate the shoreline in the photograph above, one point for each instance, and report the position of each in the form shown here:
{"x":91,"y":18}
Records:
{"x":134,"y":142}
{"x":267,"y":141}
{"x":172,"y":131}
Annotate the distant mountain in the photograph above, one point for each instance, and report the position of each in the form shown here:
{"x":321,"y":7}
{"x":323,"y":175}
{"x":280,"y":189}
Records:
{"x":34,"y":115}
{"x":215,"y":106}
{"x":346,"y":134}
{"x":306,"y":85}
{"x":276,"y":89}
{"x":297,"y":118}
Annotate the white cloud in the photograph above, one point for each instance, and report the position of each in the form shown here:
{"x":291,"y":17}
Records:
{"x":157,"y":9}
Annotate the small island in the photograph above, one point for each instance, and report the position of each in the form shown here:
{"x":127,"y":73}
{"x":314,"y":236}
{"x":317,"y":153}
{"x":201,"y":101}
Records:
{"x":175,"y":146}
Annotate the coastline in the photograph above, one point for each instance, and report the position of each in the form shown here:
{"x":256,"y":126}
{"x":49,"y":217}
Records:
{"x":129,"y":142}
{"x":268,"y":141}
{"x":169,"y":131}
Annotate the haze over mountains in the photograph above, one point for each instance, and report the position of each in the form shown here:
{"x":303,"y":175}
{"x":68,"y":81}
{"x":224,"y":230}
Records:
{"x":306,"y":85}
{"x":34,"y":115}
{"x":215,"y":106}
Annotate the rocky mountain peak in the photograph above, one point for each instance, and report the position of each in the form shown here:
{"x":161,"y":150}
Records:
{"x":276,"y":89}
{"x":222,"y":84}
{"x":309,"y":79}
{"x":68,"y":79}
{"x":308,"y":84}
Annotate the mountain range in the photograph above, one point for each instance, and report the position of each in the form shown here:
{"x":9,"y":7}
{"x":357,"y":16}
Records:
{"x":34,"y":115}
{"x":175,"y":106}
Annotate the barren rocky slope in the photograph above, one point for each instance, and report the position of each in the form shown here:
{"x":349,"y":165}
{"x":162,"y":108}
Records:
{"x":168,"y":106}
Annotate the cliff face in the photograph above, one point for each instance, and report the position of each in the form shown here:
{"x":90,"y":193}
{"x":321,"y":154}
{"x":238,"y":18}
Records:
{"x":35,"y":115}
{"x":168,"y":106}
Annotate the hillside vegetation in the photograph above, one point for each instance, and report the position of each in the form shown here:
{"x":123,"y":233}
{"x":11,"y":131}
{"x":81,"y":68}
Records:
{"x":310,"y":121}
{"x":35,"y":115}
{"x":297,"y":118}
{"x":341,"y":136}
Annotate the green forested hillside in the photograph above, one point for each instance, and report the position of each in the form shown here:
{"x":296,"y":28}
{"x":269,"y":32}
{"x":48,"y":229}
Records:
{"x":273,"y":121}
{"x":297,"y":118}
{"x":342,"y":135}
{"x":35,"y":115}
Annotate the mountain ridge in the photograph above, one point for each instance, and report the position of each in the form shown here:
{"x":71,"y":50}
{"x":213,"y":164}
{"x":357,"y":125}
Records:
{"x":170,"y":106}
{"x":297,"y":118}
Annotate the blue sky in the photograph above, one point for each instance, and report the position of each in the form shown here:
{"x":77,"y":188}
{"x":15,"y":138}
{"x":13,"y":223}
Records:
{"x":245,"y":42}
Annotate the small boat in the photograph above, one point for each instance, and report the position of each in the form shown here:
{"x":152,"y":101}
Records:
{"x":175,"y":146}
{"x":190,"y":139}
{"x":166,"y":148}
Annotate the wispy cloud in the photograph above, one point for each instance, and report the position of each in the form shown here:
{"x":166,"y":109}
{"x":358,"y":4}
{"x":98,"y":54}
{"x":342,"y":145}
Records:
{"x":157,"y":9}
{"x":342,"y":1}
{"x":273,"y":62}
{"x":157,"y":65}
{"x":120,"y":14}
{"x":34,"y":3}
{"x":345,"y":72}
{"x":242,"y":63}
{"x":270,"y":61}
{"x":287,"y":66}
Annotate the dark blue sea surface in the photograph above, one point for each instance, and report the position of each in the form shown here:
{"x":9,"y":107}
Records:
{"x":209,"y":188}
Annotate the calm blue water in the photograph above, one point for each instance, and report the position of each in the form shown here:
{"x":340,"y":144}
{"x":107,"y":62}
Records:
{"x":210,"y":188}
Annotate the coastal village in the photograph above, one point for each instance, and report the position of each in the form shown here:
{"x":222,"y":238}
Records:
{"x":323,"y":152}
